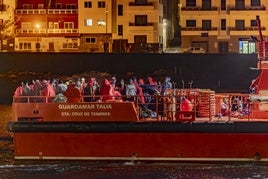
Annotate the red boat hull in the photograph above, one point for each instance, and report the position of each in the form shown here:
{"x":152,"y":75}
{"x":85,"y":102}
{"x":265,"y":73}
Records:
{"x":143,"y":146}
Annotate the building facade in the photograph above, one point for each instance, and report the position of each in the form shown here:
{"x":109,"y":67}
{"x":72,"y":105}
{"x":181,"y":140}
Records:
{"x":120,"y":25}
{"x":222,"y":26}
{"x":46,"y":26}
{"x":88,"y":25}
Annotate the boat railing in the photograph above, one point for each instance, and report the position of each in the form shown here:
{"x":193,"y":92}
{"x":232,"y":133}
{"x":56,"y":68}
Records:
{"x":170,"y":106}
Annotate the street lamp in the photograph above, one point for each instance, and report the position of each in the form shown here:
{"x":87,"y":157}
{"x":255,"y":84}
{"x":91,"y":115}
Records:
{"x":164,"y":35}
{"x":106,"y":32}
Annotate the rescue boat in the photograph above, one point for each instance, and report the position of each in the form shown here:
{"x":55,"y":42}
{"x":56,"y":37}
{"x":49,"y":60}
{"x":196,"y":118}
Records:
{"x":179,"y":125}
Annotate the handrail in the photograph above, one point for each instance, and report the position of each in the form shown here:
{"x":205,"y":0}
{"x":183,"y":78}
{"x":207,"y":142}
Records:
{"x":167,"y":107}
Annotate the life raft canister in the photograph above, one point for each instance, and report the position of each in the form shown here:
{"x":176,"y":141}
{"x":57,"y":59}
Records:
{"x":185,"y":111}
{"x":186,"y":105}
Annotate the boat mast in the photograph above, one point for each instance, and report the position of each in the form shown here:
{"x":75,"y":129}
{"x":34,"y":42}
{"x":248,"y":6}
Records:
{"x":260,"y":85}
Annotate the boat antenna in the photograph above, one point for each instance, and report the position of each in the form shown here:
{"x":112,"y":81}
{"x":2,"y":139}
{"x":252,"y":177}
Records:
{"x":174,"y":87}
{"x":190,"y":84}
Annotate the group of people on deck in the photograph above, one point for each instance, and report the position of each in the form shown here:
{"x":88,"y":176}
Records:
{"x":110,"y":89}
{"x":235,"y":106}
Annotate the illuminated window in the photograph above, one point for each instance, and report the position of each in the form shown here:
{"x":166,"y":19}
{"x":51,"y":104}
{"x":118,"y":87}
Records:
{"x":88,"y":22}
{"x":91,"y":40}
{"x":101,"y":22}
{"x":88,"y":4}
{"x":246,"y":46}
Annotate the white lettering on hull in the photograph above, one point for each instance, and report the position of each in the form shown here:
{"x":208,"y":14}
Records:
{"x":85,"y":106}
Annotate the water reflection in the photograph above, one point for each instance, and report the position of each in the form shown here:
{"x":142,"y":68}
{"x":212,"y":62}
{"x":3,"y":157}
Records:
{"x":9,"y":168}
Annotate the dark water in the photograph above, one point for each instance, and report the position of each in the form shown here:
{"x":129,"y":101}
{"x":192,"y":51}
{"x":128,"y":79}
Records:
{"x":10,"y":168}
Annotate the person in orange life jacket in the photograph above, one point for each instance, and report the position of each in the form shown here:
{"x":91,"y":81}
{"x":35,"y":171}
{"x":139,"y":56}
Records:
{"x":73,"y":93}
{"x":151,"y":81}
{"x":108,"y":92}
{"x":47,"y":90}
{"x":22,"y":90}
{"x":19,"y":90}
{"x":141,"y":82}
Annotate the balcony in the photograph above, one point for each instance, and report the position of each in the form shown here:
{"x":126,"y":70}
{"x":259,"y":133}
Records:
{"x":49,"y":11}
{"x":145,"y":4}
{"x":195,"y":8}
{"x":62,"y":11}
{"x":246,"y":29}
{"x":199,"y":29}
{"x":46,"y":31}
{"x":247,"y":8}
{"x":62,"y":31}
{"x":150,"y":26}
{"x":142,"y":7}
{"x":30,"y":11}
{"x":147,"y":24}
